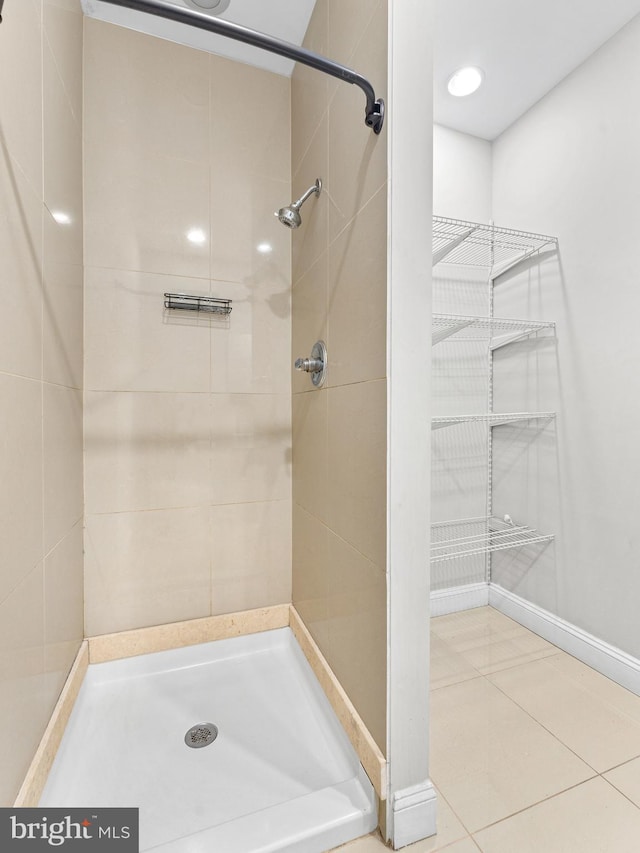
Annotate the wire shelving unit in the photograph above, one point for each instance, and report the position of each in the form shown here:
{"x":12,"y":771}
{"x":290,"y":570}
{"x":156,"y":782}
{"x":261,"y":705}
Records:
{"x":499,"y":331}
{"x":468,"y":537}
{"x":458,"y":241}
{"x":493,"y":251}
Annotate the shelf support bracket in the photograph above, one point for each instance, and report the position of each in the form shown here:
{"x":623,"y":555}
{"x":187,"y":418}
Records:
{"x":503,"y":340}
{"x":496,"y":273}
{"x":442,"y":334}
{"x":442,"y":253}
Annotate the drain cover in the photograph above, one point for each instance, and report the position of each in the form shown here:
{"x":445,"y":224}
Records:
{"x":201,"y":735}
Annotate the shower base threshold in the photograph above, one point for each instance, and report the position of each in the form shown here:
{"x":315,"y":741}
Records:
{"x":281,"y":774}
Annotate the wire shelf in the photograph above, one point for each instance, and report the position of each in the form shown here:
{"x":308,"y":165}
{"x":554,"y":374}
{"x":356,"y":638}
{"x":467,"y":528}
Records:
{"x":457,"y":241}
{"x":469,"y":537}
{"x":206,"y":304}
{"x":498,"y":330}
{"x":493,"y":418}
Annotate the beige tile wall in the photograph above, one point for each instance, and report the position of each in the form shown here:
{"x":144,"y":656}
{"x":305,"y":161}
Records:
{"x":187,"y":419}
{"x":41,"y":586}
{"x":340,"y":294}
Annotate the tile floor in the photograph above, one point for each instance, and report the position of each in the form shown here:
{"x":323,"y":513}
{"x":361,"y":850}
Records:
{"x":531,"y":750}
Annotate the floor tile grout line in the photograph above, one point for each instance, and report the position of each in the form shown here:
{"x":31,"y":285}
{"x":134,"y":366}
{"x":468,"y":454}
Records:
{"x":622,"y":764}
{"x":455,"y":814}
{"x":458,"y":683}
{"x":494,"y":672}
{"x":622,"y":793}
{"x":536,"y":804}
{"x":617,"y":710}
{"x":542,"y":726}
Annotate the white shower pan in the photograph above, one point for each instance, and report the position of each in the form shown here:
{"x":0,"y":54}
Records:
{"x":280,"y":776}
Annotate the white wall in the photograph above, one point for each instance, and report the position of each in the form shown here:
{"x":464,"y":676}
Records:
{"x":570,"y":167}
{"x":461,"y":175}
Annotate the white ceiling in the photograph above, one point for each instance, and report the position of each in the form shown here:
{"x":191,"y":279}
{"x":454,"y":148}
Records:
{"x":285,"y":19}
{"x":524,"y":47}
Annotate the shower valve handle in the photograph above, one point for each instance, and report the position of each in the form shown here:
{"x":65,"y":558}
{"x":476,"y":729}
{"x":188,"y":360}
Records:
{"x":309,"y":365}
{"x":316,"y":364}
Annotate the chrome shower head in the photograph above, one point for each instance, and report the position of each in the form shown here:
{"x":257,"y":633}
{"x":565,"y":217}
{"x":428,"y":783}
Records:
{"x":290,"y":216}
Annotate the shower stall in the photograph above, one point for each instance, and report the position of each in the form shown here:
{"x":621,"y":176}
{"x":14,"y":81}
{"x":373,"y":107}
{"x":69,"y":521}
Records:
{"x":188,"y":484}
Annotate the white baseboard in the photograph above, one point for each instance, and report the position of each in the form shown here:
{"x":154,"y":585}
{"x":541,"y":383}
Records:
{"x":601,"y":656}
{"x":414,"y":814}
{"x":457,"y":598}
{"x":598,"y":654}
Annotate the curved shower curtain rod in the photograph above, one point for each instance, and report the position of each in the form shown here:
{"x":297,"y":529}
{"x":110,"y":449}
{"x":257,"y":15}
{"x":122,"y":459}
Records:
{"x":374,"y":115}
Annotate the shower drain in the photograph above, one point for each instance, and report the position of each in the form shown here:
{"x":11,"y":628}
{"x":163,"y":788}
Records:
{"x":201,"y":735}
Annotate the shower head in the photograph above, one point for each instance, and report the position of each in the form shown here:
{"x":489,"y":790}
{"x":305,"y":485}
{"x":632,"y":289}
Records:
{"x":290,"y":216}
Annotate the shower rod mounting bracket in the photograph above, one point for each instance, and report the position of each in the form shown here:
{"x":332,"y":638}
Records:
{"x":375,"y":108}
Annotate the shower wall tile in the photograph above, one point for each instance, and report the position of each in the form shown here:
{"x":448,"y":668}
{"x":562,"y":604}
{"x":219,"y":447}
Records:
{"x":146,"y":137}
{"x":62,"y":351}
{"x":187,"y":416}
{"x":140,"y":207}
{"x":309,"y":86}
{"x":62,"y":443}
{"x":146,"y":451}
{"x":21,"y":544}
{"x":340,"y":293}
{"x":146,"y":95}
{"x":249,"y":175}
{"x":251,"y":555}
{"x":357,"y":157}
{"x":21,"y":252}
{"x":63,"y":610}
{"x":309,"y":321}
{"x":311,"y":469}
{"x":23,"y":715}
{"x":251,"y":350}
{"x":309,"y":242}
{"x":21,"y":89}
{"x":348,"y":24}
{"x":40,"y":364}
{"x":62,"y":152}
{"x":146,"y":568}
{"x":357,"y":301}
{"x":357,"y":441}
{"x":250,"y":448}
{"x":258,"y":141}
{"x":357,"y":630}
{"x":133,"y":344}
{"x":63,"y":22}
{"x":242,"y":218}
{"x":311,"y":579}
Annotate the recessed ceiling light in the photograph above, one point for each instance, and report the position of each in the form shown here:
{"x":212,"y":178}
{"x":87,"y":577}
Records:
{"x":217,"y":7}
{"x":465,"y":81}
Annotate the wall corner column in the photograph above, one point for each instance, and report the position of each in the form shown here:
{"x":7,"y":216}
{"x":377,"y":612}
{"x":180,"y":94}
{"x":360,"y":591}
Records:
{"x":411,"y":804}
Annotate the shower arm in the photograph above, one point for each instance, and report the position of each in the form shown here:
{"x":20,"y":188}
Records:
{"x":374,"y":114}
